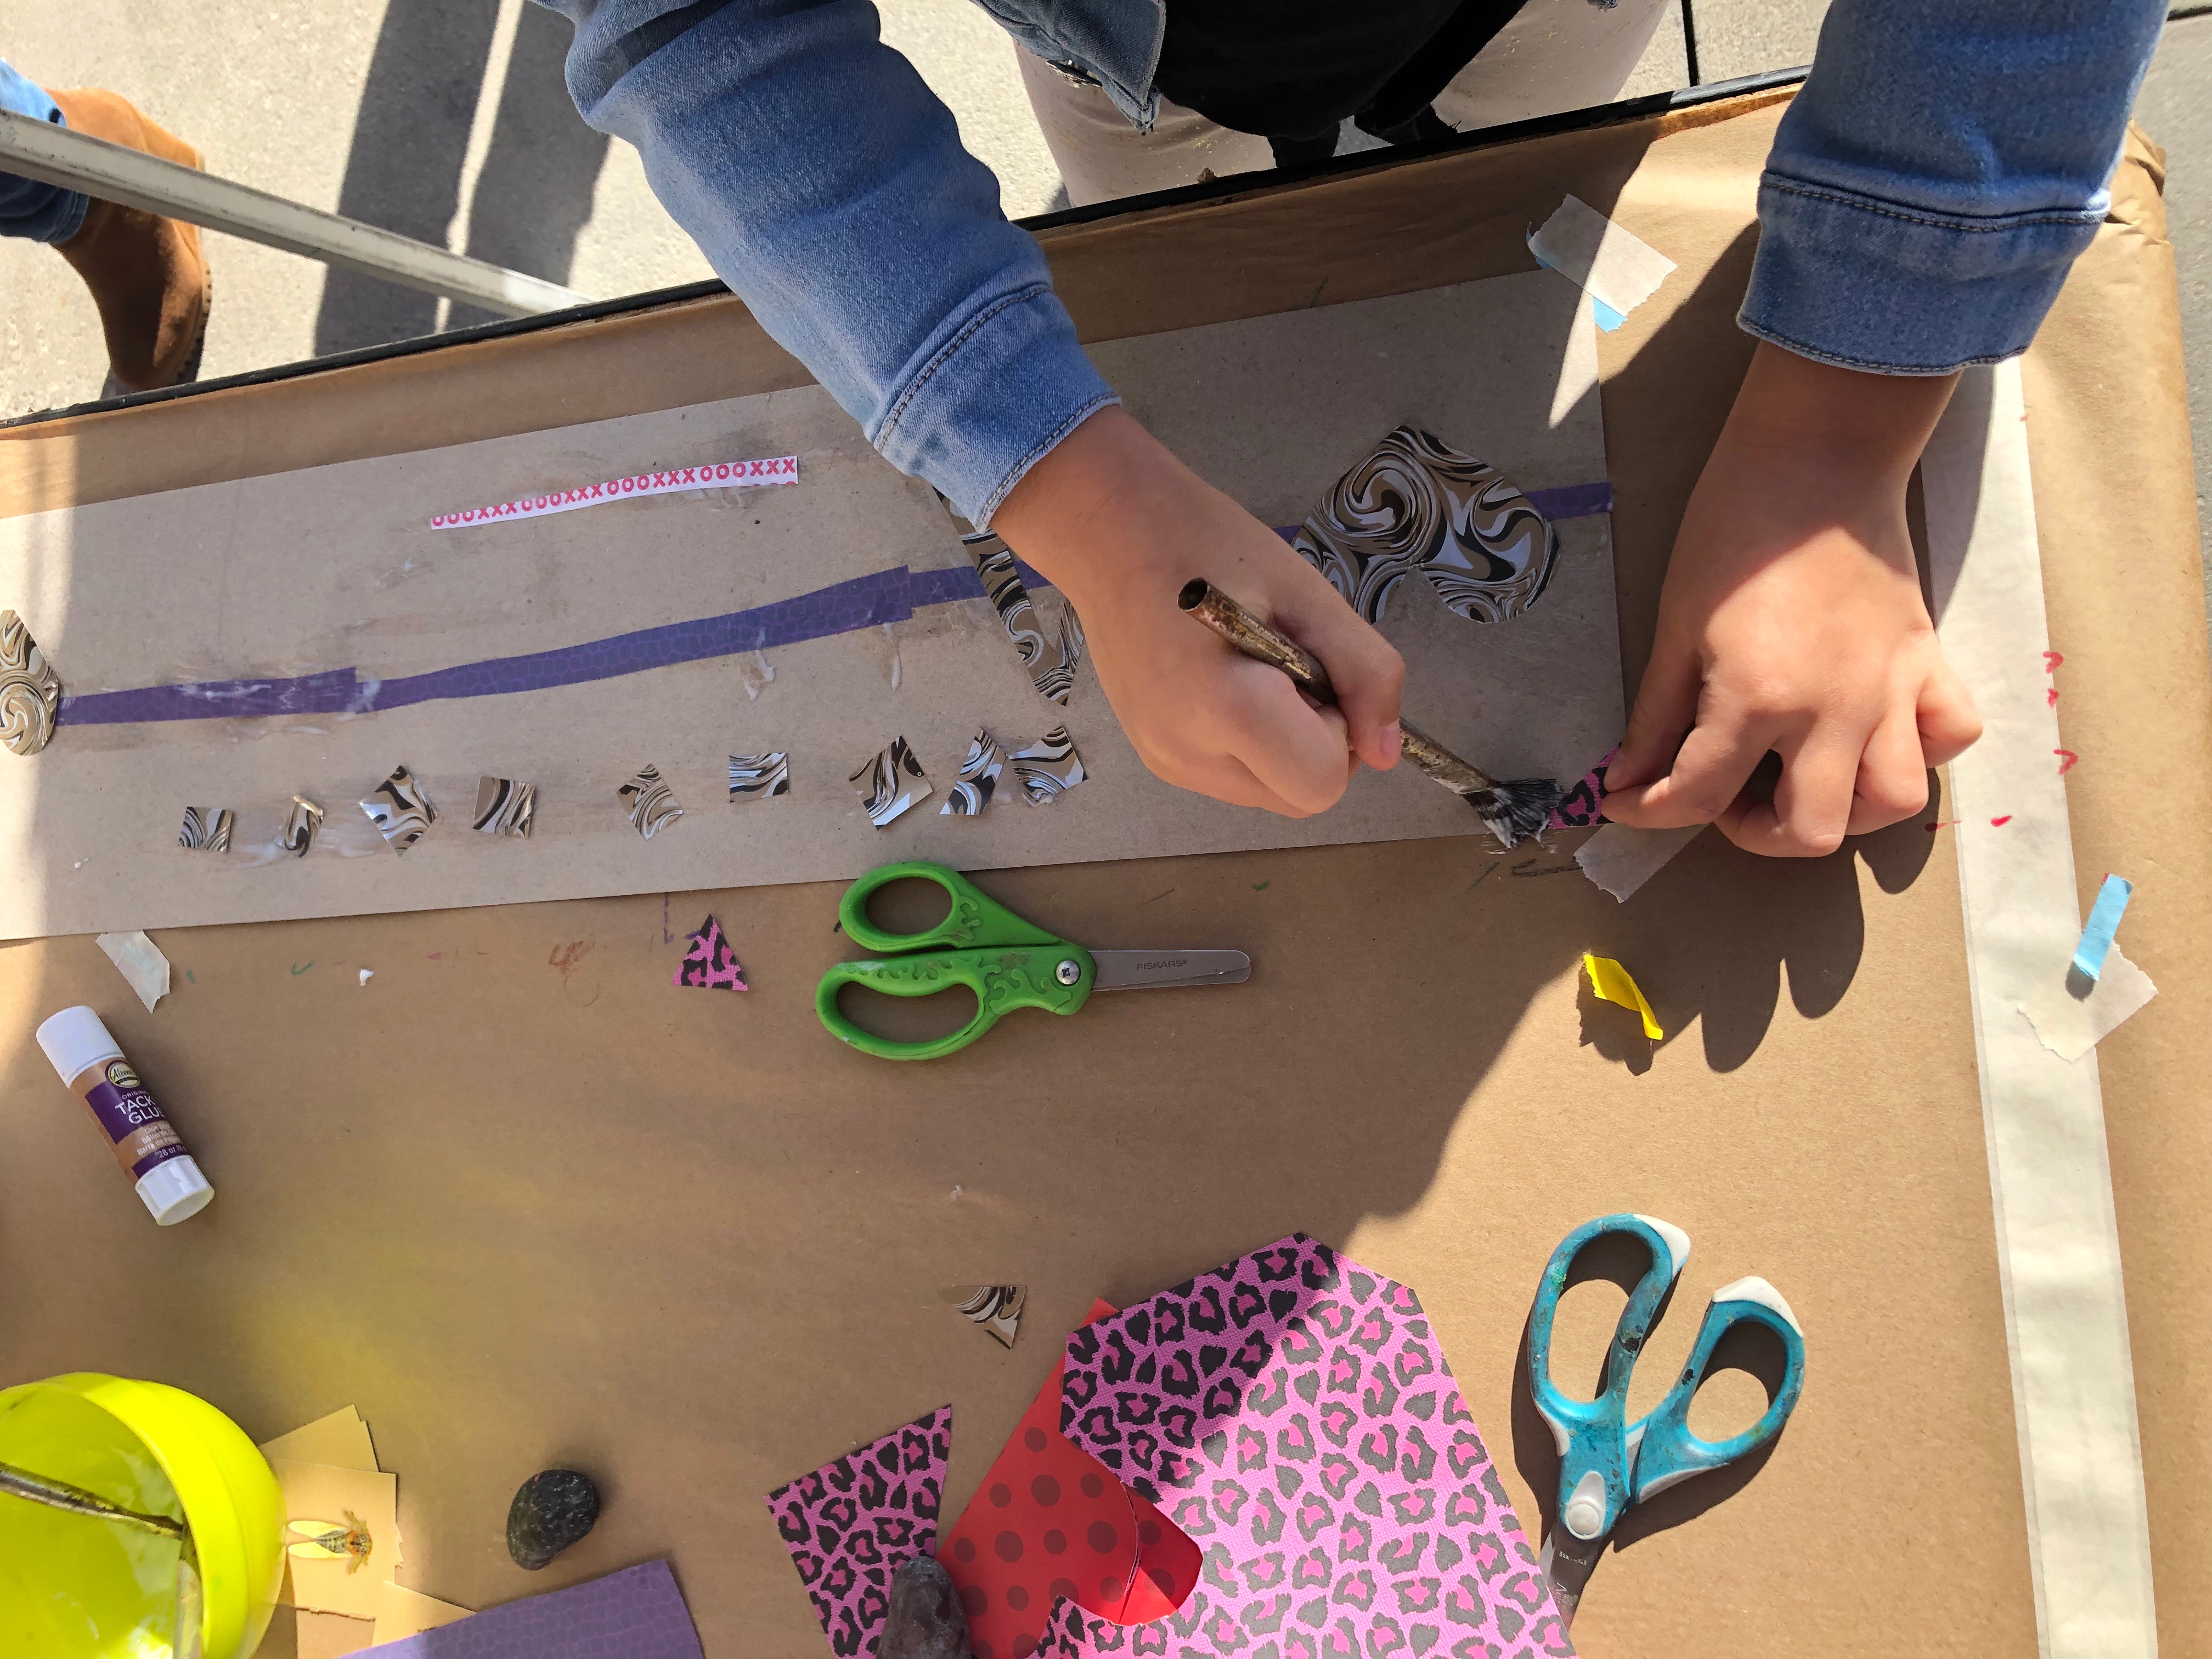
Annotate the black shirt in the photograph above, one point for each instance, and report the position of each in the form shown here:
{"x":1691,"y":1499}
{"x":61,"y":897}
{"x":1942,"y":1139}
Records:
{"x":1295,"y":69}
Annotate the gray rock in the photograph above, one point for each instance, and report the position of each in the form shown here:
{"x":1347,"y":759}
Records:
{"x":552,"y":1510}
{"x":926,"y":1619}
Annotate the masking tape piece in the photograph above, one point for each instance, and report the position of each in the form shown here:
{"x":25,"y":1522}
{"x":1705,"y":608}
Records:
{"x":2104,"y":922}
{"x":1621,"y":858}
{"x":1618,"y":270}
{"x":140,"y":961}
{"x":2058,"y":1248}
{"x":2071,"y":1026}
{"x":1614,"y":983}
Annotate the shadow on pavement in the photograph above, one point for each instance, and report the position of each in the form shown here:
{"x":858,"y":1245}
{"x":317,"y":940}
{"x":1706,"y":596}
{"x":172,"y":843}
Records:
{"x":410,"y":144}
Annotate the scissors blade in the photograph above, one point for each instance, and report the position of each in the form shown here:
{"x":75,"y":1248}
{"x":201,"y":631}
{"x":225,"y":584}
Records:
{"x":1567,"y":1561}
{"x":1148,"y":970}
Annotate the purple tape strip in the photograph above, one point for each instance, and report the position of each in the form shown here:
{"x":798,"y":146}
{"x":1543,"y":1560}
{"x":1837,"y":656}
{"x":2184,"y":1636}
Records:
{"x":636,"y":1613}
{"x":1583,"y":501}
{"x":865,"y":601}
{"x":1573,"y":501}
{"x":887,"y":596}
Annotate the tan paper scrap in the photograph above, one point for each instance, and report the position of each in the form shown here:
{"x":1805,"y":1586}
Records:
{"x":341,"y":1440}
{"x":317,"y":1492}
{"x":329,"y":1635}
{"x":401,"y":1612}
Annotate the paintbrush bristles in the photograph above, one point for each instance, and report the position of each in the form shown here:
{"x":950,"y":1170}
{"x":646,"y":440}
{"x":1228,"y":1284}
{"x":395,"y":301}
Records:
{"x":1512,"y":811}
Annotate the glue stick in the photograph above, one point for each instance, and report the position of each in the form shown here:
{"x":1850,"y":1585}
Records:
{"x":146,"y":1145}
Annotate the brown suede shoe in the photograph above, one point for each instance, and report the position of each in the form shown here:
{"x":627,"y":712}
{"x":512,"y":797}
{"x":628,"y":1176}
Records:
{"x":146,"y":274}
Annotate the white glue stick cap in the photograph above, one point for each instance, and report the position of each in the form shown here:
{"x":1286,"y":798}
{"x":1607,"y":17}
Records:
{"x":75,"y":1039}
{"x":175,"y":1191}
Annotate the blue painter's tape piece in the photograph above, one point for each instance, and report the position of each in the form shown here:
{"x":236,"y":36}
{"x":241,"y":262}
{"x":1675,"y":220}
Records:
{"x":2104,"y":922}
{"x":1604,"y":316}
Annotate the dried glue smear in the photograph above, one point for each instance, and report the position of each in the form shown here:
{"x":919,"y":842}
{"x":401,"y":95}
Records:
{"x":756,"y":673}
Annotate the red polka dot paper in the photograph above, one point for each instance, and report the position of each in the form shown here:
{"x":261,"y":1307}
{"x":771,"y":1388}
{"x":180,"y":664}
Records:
{"x":1292,"y":1412}
{"x":1049,"y":1524}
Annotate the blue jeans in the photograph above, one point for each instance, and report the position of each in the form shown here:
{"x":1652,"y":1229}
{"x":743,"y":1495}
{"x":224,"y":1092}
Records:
{"x":44,"y":213}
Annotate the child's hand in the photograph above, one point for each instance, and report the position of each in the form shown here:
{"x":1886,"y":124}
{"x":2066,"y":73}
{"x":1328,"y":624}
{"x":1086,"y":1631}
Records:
{"x":1119,"y":525}
{"x":1792,"y":622}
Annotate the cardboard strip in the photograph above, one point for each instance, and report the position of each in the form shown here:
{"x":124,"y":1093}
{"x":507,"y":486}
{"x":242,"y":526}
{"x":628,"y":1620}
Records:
{"x":2058,"y":1251}
{"x":714,"y":475}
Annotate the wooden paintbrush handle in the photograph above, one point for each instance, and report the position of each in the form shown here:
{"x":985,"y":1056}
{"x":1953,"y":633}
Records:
{"x":1203,"y":601}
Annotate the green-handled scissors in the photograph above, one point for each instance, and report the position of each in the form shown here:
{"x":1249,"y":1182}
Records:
{"x":1007,"y":961}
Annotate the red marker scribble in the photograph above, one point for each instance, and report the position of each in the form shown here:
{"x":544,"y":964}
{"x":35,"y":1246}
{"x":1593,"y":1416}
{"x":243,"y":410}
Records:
{"x":1945,"y":824}
{"x":1999,"y":824}
{"x":2068,"y":760}
{"x":2051,"y":660}
{"x":2050,"y":696}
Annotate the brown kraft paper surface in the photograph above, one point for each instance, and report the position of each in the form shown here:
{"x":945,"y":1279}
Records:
{"x":526,"y":1204}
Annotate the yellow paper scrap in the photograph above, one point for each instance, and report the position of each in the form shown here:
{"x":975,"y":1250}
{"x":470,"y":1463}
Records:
{"x":402,"y":1612}
{"x":1614,"y":983}
{"x":357,"y":1509}
{"x":340,"y":1440}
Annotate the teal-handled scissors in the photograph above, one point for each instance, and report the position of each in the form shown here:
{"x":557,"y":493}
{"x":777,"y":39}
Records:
{"x":1607,"y":1463}
{"x":1008,"y":963}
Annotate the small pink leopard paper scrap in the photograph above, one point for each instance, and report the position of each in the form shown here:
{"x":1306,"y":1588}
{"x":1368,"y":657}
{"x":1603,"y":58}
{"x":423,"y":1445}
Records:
{"x":713,"y":474}
{"x":1292,"y":1412}
{"x":852,"y":1523}
{"x":1582,"y":804}
{"x":710,"y":963}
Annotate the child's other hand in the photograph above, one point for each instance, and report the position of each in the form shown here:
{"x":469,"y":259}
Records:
{"x":1791,"y":621}
{"x":1118,"y":524}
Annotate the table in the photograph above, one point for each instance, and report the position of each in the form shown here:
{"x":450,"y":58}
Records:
{"x":524,"y":1206}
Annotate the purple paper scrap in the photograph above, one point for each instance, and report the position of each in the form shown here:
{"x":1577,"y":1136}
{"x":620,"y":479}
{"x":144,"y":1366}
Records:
{"x":636,"y":1613}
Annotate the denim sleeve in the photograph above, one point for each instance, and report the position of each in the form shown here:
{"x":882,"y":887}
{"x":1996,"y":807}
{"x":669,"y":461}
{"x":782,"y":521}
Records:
{"x":1942,"y":168}
{"x":827,"y":187}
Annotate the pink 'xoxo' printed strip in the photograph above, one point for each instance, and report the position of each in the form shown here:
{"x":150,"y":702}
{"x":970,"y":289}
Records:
{"x":713,"y":474}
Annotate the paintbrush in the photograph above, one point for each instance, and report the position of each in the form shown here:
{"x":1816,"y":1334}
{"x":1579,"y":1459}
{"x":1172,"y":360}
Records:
{"x":60,"y":1495}
{"x":1511,"y":809}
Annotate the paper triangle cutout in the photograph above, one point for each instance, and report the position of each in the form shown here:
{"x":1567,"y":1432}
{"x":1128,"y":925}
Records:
{"x":710,"y":963}
{"x":854,"y":1523}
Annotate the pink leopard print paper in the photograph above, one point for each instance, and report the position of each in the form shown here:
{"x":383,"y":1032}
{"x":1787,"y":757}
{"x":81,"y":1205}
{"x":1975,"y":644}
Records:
{"x":1578,"y":809}
{"x":852,"y":1523}
{"x":710,"y":962}
{"x":1293,"y":1413}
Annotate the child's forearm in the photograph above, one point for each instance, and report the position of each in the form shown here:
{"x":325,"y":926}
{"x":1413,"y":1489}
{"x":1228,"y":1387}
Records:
{"x":1938,"y":174}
